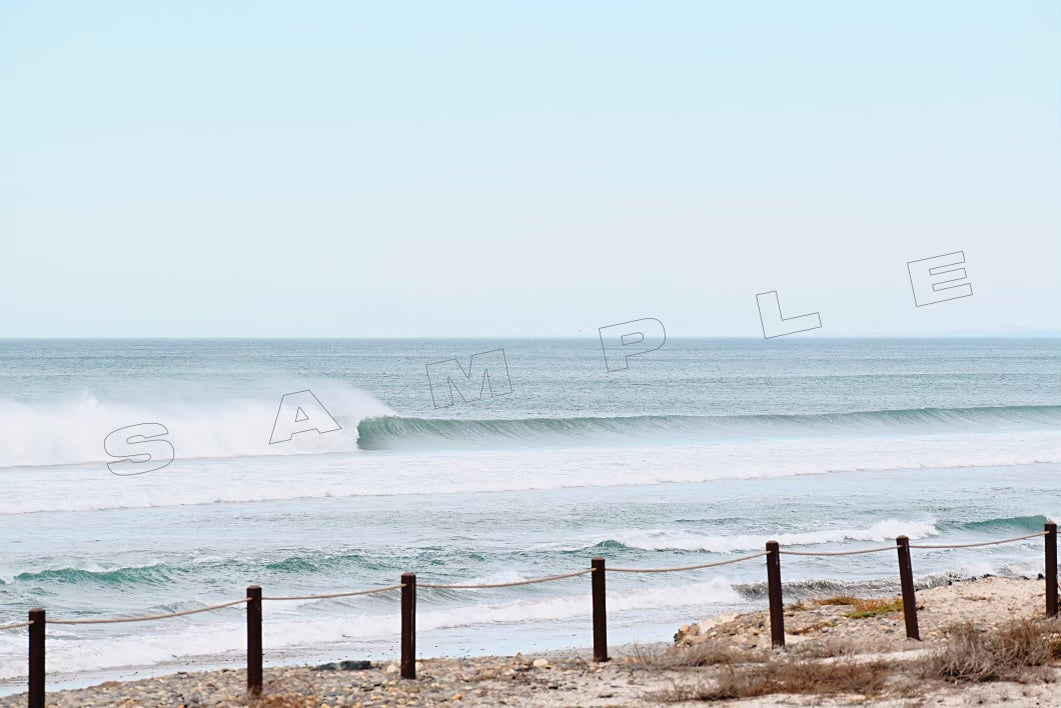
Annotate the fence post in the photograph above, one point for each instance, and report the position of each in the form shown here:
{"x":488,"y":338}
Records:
{"x":906,"y":581}
{"x":254,"y":639}
{"x":408,"y":625}
{"x":600,"y":614}
{"x":1051,"y":570}
{"x":773,"y":585}
{"x":36,"y":658}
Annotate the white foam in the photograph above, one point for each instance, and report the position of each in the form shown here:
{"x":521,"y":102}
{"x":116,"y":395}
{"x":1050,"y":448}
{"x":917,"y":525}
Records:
{"x":93,"y":487}
{"x":72,"y":432}
{"x":670,"y":539}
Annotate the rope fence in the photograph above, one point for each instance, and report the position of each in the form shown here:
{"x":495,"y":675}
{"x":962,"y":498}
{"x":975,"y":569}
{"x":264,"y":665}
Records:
{"x":597,"y":572}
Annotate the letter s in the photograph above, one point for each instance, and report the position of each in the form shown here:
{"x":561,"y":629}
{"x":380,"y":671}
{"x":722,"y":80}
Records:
{"x":137,"y":444}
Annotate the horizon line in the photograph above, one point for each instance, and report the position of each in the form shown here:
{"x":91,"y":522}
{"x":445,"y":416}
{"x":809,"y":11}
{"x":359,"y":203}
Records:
{"x":988,"y":335}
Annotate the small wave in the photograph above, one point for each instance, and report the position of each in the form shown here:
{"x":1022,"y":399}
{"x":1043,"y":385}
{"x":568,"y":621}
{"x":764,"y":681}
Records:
{"x":672,"y":540}
{"x":1025,"y":524}
{"x":160,"y":574}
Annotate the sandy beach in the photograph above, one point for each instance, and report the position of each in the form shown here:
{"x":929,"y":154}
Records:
{"x":838,"y":653}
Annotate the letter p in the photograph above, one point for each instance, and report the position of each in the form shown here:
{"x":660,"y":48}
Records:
{"x":626,"y":339}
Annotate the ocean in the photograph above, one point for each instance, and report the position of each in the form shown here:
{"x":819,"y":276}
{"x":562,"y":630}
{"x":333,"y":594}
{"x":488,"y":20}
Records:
{"x":698,"y":451}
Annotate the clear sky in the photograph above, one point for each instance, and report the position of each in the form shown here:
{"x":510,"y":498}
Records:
{"x":540,"y":168}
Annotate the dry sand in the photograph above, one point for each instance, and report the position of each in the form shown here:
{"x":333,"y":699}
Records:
{"x":639,"y":676}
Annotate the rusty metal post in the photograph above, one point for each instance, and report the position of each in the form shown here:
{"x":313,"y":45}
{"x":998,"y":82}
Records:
{"x":773,"y":586}
{"x":254,"y":640}
{"x":408,"y":625}
{"x":600,"y":614}
{"x":906,"y":581}
{"x":1051,"y":570}
{"x":36,"y":658}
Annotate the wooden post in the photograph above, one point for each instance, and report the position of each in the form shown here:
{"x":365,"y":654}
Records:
{"x":36,"y":658}
{"x":408,"y":625}
{"x":1051,"y":570}
{"x":600,"y":614}
{"x":254,"y":640}
{"x":906,"y":581}
{"x":773,"y":585}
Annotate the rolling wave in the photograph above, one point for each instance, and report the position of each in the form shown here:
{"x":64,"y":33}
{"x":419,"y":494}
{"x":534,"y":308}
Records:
{"x":1024,"y":524}
{"x":400,"y":433}
{"x":160,"y":574}
{"x":66,"y":433}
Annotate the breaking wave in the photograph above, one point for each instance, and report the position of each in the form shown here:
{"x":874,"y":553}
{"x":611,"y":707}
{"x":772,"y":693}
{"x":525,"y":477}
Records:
{"x":398,"y":433}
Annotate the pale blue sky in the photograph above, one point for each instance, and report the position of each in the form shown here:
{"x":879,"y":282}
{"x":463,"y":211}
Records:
{"x":486,"y":169}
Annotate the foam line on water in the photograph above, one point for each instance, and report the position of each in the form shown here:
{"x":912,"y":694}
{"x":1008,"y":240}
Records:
{"x":90,"y":488}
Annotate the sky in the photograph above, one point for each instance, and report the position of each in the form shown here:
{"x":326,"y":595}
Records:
{"x":338,"y":169}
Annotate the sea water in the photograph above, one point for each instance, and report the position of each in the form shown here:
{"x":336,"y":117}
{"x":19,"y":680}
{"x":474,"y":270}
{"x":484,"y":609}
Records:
{"x":699,"y":451}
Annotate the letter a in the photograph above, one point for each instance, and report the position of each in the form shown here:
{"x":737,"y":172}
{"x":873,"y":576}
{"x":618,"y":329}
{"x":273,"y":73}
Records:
{"x":299,"y":413}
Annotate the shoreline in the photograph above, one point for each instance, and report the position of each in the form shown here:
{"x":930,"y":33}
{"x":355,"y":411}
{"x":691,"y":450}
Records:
{"x":818,"y":632}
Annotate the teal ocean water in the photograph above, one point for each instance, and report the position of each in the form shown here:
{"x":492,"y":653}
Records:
{"x":698,"y":451}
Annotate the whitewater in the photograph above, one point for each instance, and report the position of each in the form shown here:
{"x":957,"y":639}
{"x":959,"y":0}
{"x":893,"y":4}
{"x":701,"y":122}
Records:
{"x":699,"y":451}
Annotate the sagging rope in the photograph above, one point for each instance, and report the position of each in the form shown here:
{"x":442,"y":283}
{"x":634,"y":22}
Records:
{"x":116,"y":620}
{"x":687,"y":567}
{"x":985,"y":543}
{"x":334,"y":594}
{"x":839,"y":553}
{"x":480,"y":586}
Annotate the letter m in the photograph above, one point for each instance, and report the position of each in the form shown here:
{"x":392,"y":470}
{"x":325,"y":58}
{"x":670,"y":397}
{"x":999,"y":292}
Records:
{"x":486,"y":370}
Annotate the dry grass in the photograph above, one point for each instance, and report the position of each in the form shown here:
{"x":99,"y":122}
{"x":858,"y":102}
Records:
{"x":1018,"y":651}
{"x":828,"y":648}
{"x":864,"y":608}
{"x":1013,"y":652}
{"x":837,"y":600}
{"x":701,"y":654}
{"x":789,"y":677}
{"x":872,"y":608}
